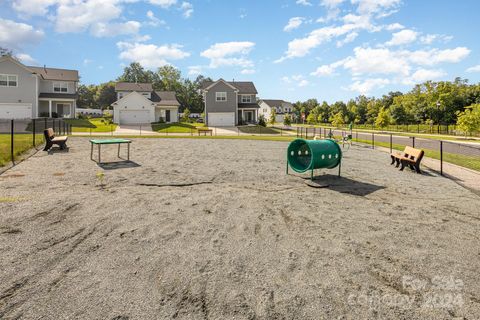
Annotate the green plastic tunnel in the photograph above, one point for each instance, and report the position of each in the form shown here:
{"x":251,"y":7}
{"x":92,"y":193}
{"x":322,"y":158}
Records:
{"x":304,"y":155}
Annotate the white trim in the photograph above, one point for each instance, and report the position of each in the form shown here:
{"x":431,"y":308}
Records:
{"x":223,"y":95}
{"x":8,"y":76}
{"x":245,"y":96}
{"x":220,"y":80}
{"x":61,"y":83}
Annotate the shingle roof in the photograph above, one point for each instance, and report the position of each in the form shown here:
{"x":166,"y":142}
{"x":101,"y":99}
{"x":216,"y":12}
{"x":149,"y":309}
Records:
{"x":248,"y":105}
{"x":56,"y":74}
{"x":273,"y":103}
{"x":165,"y":98}
{"x":132,"y":86}
{"x":243,"y":87}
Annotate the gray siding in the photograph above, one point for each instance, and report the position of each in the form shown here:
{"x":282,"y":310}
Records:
{"x":224,"y":106}
{"x":46,"y":86}
{"x":25,"y":92}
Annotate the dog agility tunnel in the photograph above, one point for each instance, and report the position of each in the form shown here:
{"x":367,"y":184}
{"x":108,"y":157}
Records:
{"x":304,"y":155}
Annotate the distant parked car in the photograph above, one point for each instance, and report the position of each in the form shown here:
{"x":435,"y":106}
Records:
{"x":200,"y":120}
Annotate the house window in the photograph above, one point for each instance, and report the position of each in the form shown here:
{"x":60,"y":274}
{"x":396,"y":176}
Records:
{"x":221,"y":96}
{"x":246,"y":99}
{"x":8,"y":80}
{"x":60,"y":87}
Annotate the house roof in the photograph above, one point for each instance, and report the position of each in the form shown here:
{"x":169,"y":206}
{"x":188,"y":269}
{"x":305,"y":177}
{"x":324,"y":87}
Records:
{"x":274,"y":103}
{"x":243,"y":87}
{"x":165,"y":98}
{"x":55,"y":74}
{"x":132,"y":86}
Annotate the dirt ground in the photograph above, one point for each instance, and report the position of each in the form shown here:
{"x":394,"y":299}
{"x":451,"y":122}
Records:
{"x":215,"y":229}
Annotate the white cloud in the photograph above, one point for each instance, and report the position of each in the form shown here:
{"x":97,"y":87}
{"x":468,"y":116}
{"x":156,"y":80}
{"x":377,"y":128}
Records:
{"x":422,"y":75}
{"x":303,"y":2}
{"x":405,"y":36}
{"x":26,"y":59}
{"x":247,"y":71}
{"x":194,"y":70}
{"x":394,"y":26}
{"x":229,"y":54}
{"x":325,"y":70}
{"x":378,"y":61}
{"x":349,"y":38}
{"x":153,"y":20}
{"x":430,"y":38}
{"x":375,"y":6}
{"x":114,"y":29}
{"x":298,"y":80}
{"x":150,"y":55}
{"x":164,"y":3}
{"x":436,"y":56}
{"x":293,"y":24}
{"x":14,"y":35}
{"x":187,"y":9}
{"x":474,"y":69}
{"x":366,"y":86}
{"x":32,"y":7}
{"x":86,"y":62}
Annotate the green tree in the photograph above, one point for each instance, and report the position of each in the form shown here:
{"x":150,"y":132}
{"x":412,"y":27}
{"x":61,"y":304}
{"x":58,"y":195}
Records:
{"x":86,"y":96}
{"x":169,"y":78}
{"x":383,"y":118}
{"x":273,"y":115}
{"x":469,"y":120}
{"x":311,"y":118}
{"x":186,"y":115}
{"x":5,"y":52}
{"x":337,"y":120}
{"x":136,"y":73}
{"x":287,"y":120}
{"x":105,"y":95}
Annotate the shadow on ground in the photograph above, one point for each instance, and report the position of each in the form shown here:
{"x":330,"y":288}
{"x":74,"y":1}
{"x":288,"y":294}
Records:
{"x":344,"y":185}
{"x":118,"y":165}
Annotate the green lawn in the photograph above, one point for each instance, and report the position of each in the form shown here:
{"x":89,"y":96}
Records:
{"x":263,"y":130}
{"x":458,"y":159}
{"x":93,"y":125}
{"x":181,"y":127}
{"x":21,"y":143}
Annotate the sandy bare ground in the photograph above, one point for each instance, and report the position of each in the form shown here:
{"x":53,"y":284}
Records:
{"x":214,"y":229}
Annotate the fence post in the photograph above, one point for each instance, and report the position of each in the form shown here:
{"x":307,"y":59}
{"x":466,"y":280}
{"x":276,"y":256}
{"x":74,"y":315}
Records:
{"x":413,"y":142}
{"x":53,"y":125}
{"x":441,"y":157}
{"x":373,"y":140}
{"x":12,"y":124}
{"x":356,"y":135}
{"x":33,"y":132}
{"x":391,"y":142}
{"x":418,"y":128}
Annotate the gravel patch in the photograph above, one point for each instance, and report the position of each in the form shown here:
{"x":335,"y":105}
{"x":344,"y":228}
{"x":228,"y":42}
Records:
{"x":215,"y":229}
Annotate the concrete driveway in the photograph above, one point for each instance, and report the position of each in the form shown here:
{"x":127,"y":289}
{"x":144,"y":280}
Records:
{"x":135,"y":129}
{"x":224,"y":131}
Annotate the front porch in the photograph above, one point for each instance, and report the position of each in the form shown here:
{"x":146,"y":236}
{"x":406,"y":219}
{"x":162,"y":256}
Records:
{"x":56,"y":108}
{"x":247,"y":116}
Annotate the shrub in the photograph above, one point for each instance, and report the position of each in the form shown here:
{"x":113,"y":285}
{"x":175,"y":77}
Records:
{"x":261,"y":121}
{"x":287,"y":120}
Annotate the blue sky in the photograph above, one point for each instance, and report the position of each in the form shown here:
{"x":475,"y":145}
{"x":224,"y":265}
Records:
{"x":292,"y":49}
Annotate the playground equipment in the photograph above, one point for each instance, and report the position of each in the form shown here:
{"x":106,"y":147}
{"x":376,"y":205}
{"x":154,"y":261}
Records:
{"x":304,"y":155}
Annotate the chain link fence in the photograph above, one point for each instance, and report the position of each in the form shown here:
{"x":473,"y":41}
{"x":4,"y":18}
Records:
{"x":463,"y":154}
{"x":19,"y":136}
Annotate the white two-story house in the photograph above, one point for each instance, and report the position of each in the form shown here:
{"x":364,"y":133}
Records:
{"x":281,"y":108}
{"x":138,"y":103}
{"x":30,"y":92}
{"x":230,"y":103}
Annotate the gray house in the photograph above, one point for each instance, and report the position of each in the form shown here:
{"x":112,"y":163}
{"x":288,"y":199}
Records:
{"x":230,"y":103}
{"x":30,"y":92}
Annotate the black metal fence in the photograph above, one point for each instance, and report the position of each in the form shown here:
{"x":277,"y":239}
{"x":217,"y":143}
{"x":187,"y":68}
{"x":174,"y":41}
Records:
{"x":19,"y":136}
{"x":464,"y":154}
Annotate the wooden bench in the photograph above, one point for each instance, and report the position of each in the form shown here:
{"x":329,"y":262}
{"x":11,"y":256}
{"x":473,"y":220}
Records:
{"x":410,"y":157}
{"x":205,"y":131}
{"x":51,"y":139}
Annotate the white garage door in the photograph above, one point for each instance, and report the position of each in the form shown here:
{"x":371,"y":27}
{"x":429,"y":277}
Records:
{"x":15,"y":110}
{"x":221,"y":119}
{"x":134,"y":116}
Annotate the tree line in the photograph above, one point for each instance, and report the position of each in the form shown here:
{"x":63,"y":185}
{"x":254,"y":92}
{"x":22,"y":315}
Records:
{"x":429,"y":103}
{"x":166,"y":78}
